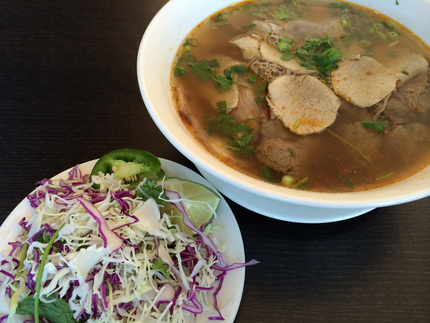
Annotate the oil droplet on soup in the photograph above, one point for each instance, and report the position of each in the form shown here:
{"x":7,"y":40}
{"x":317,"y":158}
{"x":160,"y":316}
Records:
{"x":315,"y":95}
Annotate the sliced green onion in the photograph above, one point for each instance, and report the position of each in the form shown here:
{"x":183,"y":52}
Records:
{"x":293,"y":153}
{"x":302,"y":182}
{"x":393,"y":35}
{"x":365,"y":43}
{"x":266,"y":173}
{"x":381,"y":178}
{"x":394,"y":43}
{"x":288,"y":180}
{"x":40,"y":273}
{"x":21,"y":260}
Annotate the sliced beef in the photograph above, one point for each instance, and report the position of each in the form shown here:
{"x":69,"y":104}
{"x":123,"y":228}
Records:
{"x":249,"y":45}
{"x":276,"y":154}
{"x":300,"y":29}
{"x":407,"y":65}
{"x":303,"y":103}
{"x":363,"y":81}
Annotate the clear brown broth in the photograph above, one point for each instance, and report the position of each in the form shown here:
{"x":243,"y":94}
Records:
{"x":330,"y":164}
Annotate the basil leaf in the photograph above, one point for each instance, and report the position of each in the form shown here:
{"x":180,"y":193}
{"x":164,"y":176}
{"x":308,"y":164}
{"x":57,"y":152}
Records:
{"x":55,"y":311}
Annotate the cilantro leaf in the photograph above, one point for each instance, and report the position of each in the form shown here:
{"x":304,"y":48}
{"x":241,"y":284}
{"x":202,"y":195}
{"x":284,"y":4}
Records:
{"x":239,"y":69}
{"x":204,"y":69}
{"x":283,"y":13}
{"x":285,"y":46}
{"x":239,"y":135}
{"x":378,"y":126}
{"x":159,"y":265}
{"x":319,"y":54}
{"x":219,"y":21}
{"x":150,"y":189}
{"x":54,"y":311}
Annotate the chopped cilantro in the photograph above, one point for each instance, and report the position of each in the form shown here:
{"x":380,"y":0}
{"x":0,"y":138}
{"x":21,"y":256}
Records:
{"x":239,"y":135}
{"x":179,"y":70}
{"x":405,"y":72}
{"x":219,"y":21}
{"x":318,"y":54}
{"x":239,"y":69}
{"x":340,"y":5}
{"x":260,"y":90}
{"x":149,"y":189}
{"x":250,"y":26}
{"x":285,"y":46}
{"x":192,"y":42}
{"x":159,"y":265}
{"x":283,"y":13}
{"x":378,"y":126}
{"x":252,"y":78}
{"x":205,"y":70}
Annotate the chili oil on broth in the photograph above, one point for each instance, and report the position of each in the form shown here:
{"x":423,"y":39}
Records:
{"x":343,"y":157}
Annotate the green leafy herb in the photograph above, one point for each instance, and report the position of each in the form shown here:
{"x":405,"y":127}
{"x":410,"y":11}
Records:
{"x":285,"y":46}
{"x":283,"y":13}
{"x":260,"y":90}
{"x":150,"y":189}
{"x":192,"y":42}
{"x":239,"y":135}
{"x":186,"y":59}
{"x":55,"y":310}
{"x":205,"y":70}
{"x":219,"y":21}
{"x":378,"y":126}
{"x":179,"y":71}
{"x":252,"y":78}
{"x":159,"y":265}
{"x":36,"y":300}
{"x":340,"y":5}
{"x":405,"y":72}
{"x":250,"y":26}
{"x":326,"y":60}
{"x":239,"y":69}
{"x":318,"y":54}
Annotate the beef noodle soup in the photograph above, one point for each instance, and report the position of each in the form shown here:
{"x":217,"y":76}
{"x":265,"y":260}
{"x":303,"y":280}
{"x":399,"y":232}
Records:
{"x":315,"y":95}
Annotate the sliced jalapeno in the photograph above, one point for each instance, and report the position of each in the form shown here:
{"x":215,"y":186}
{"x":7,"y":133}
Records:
{"x":129,"y":165}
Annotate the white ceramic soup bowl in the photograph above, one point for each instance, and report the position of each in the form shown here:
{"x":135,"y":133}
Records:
{"x":159,"y":45}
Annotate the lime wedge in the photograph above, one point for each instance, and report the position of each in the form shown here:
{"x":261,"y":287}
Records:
{"x":200,"y":202}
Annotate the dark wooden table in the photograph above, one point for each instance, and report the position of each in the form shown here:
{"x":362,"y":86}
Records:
{"x":69,"y":94}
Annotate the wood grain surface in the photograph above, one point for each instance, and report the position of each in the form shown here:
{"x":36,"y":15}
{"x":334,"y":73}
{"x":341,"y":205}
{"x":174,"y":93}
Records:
{"x":69,"y":94}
